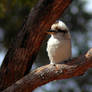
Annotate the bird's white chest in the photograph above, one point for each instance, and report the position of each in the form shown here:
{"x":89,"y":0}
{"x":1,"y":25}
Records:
{"x":53,"y":44}
{"x":58,"y":50}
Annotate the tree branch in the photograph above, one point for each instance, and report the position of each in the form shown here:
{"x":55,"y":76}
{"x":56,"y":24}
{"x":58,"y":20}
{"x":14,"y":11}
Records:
{"x":22,"y":53}
{"x":75,"y":67}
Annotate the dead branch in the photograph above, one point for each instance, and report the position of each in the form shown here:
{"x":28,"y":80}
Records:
{"x":75,"y":67}
{"x":22,"y":53}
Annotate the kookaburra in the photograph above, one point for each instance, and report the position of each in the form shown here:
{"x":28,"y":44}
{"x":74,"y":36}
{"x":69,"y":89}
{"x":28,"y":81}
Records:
{"x":59,"y":44}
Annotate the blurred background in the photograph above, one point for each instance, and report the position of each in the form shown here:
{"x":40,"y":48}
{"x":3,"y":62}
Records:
{"x":78,"y":18}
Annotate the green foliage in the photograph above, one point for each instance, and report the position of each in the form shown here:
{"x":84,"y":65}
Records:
{"x":12,"y":16}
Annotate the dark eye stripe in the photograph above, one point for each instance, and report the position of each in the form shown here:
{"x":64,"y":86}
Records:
{"x":62,"y":31}
{"x":52,"y":31}
{"x":56,"y":31}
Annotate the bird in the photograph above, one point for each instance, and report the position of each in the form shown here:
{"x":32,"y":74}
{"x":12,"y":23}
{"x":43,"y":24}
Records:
{"x":59,"y":44}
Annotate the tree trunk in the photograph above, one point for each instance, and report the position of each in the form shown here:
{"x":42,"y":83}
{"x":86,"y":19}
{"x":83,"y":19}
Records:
{"x":25,"y":47}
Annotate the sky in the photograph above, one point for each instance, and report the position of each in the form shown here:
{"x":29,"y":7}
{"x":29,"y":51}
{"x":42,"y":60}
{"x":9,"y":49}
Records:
{"x":88,"y":6}
{"x":2,"y":55}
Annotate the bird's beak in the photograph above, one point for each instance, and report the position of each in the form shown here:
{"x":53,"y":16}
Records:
{"x":51,"y":31}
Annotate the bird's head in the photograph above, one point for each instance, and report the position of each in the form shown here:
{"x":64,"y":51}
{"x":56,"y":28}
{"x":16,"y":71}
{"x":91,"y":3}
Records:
{"x":58,"y":27}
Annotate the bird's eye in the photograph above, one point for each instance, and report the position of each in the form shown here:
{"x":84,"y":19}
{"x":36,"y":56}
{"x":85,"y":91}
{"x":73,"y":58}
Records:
{"x":59,"y":30}
{"x":62,"y":31}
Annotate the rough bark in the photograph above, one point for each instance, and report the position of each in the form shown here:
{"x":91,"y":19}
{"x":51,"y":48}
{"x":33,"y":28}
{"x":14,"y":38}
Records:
{"x":75,"y":67}
{"x":24,"y":49}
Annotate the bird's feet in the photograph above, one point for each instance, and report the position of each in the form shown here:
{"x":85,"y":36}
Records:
{"x":53,"y":64}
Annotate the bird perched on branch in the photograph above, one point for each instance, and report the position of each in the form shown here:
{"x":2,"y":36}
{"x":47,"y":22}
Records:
{"x":59,"y":44}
